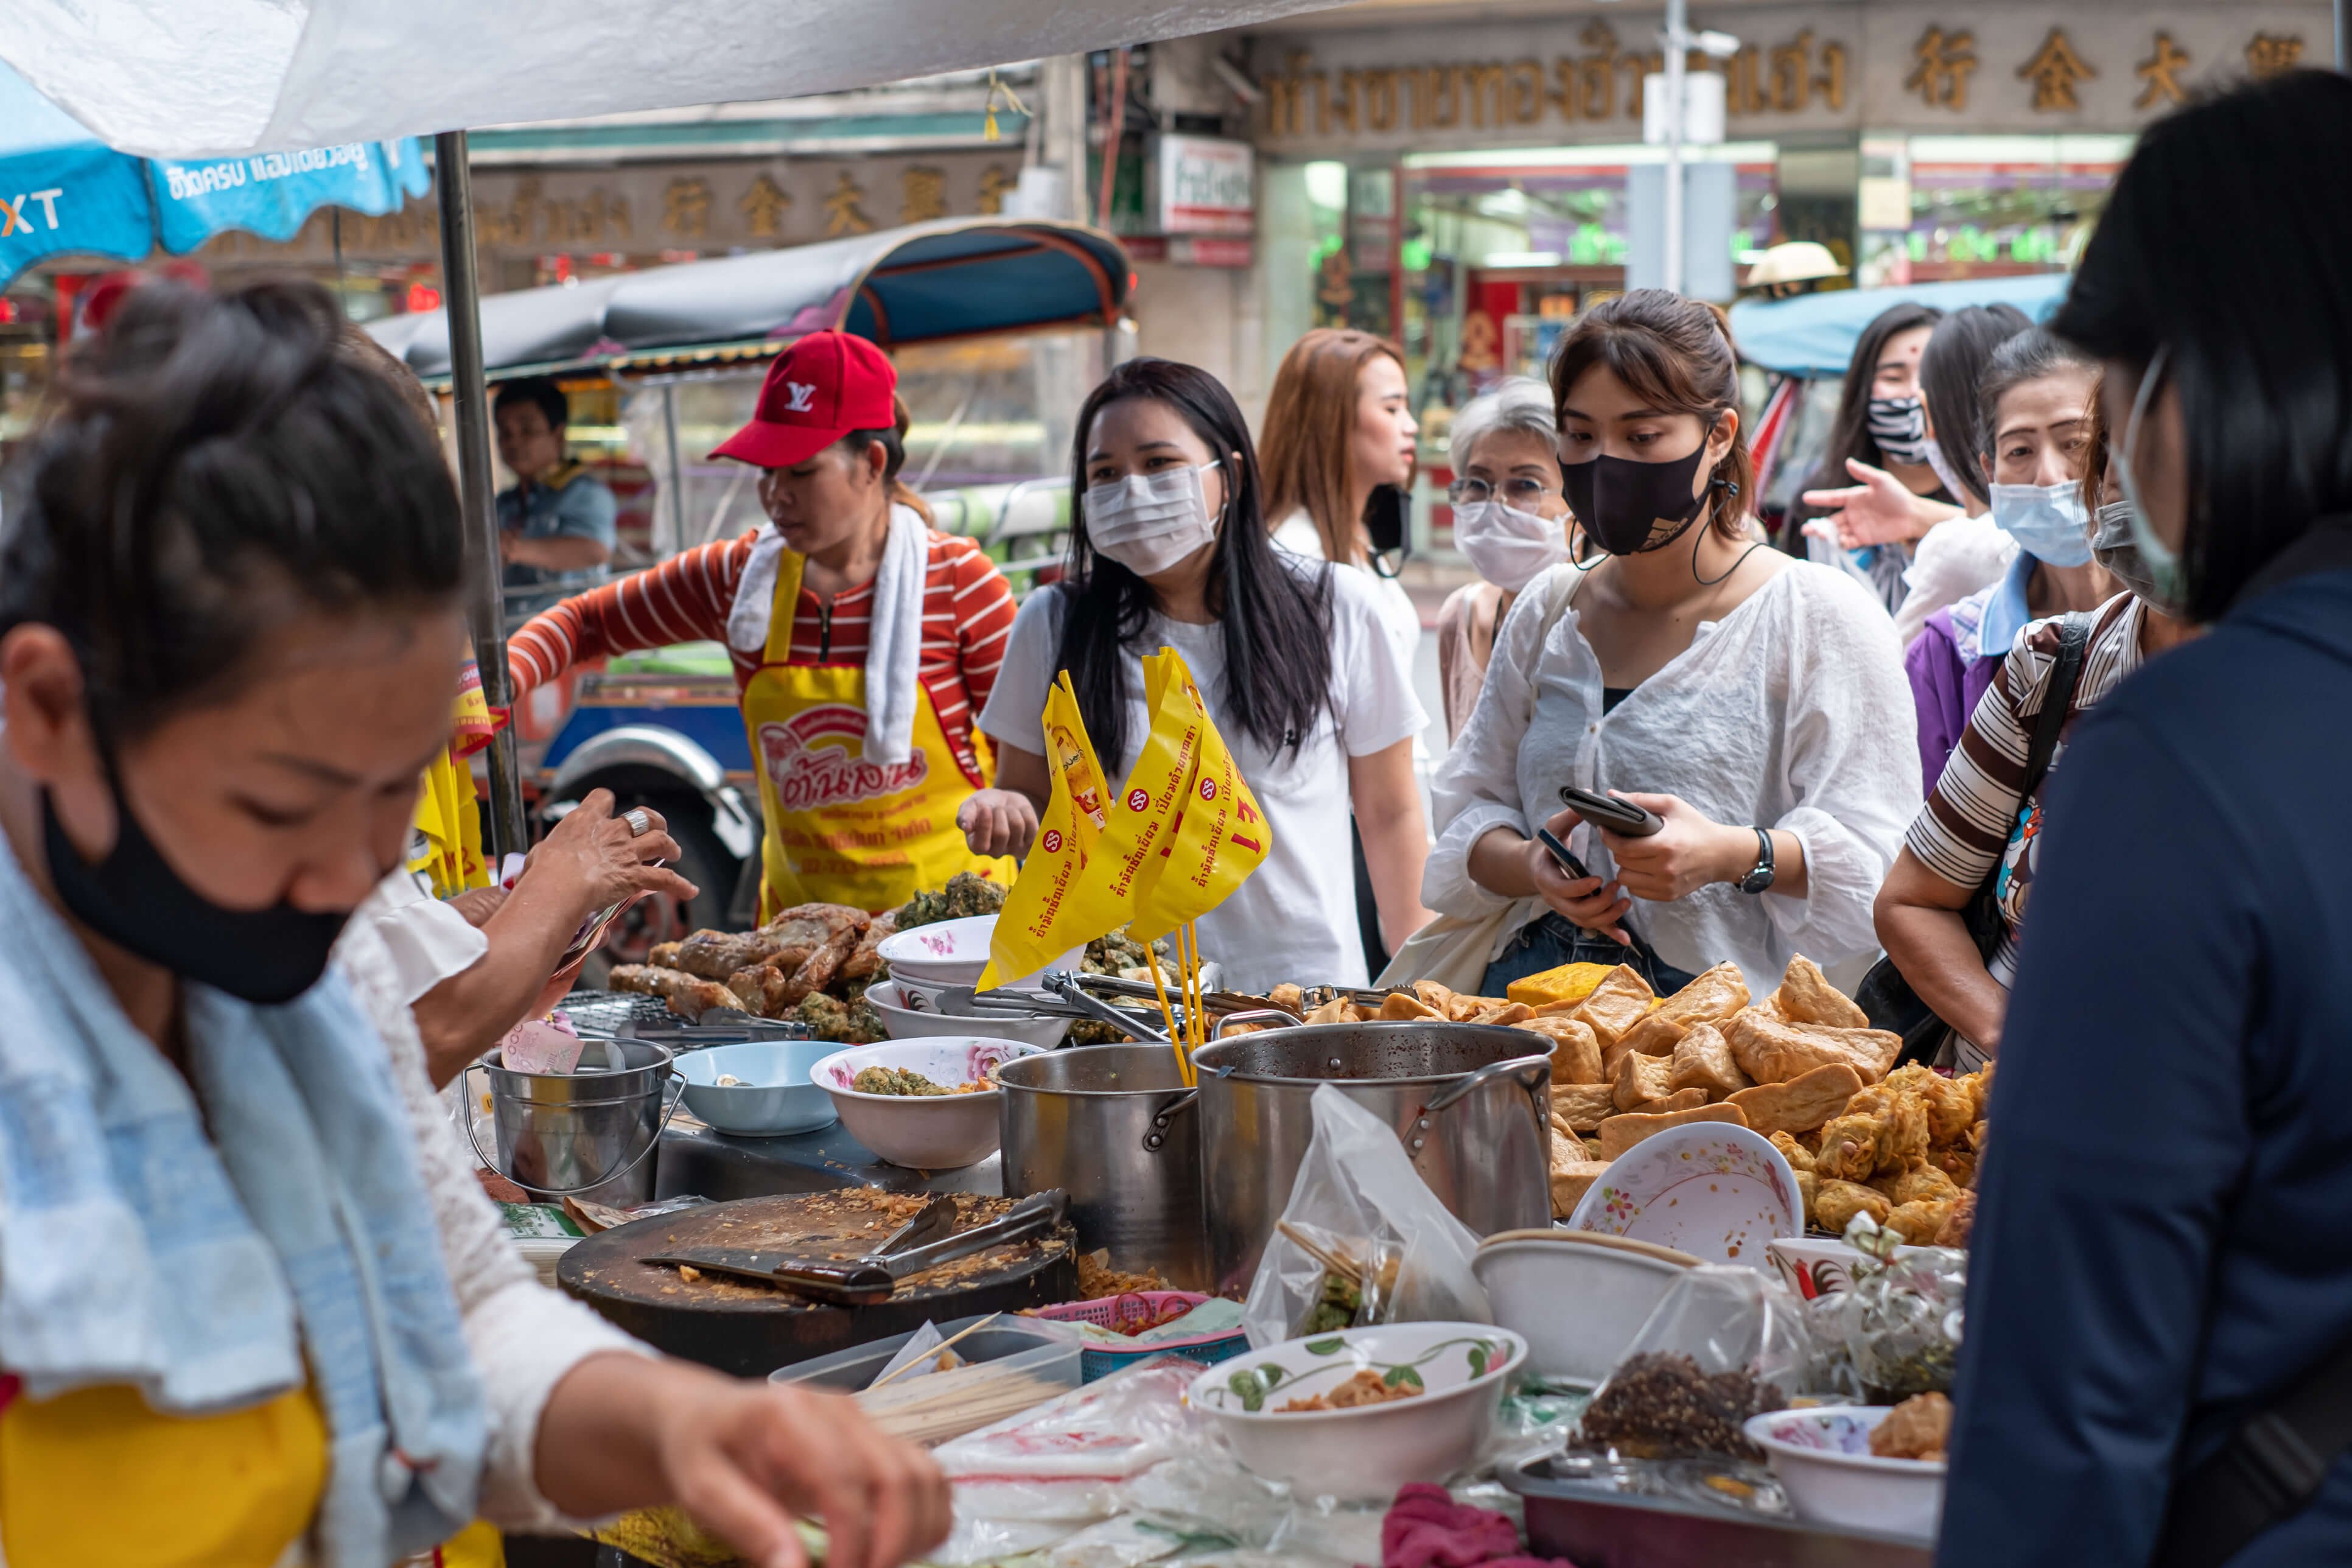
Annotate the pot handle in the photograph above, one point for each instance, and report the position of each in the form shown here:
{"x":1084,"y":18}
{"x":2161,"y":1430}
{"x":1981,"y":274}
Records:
{"x":1523,"y":1068}
{"x":1157,"y":1138}
{"x":464,"y":1082}
{"x":1257,"y":1015}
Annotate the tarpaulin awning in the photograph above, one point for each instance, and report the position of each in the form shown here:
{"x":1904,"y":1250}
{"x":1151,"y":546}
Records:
{"x":1813,"y":335}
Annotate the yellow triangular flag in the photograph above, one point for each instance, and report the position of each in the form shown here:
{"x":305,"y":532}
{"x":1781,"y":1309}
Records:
{"x":1220,"y":837}
{"x":1036,"y":923}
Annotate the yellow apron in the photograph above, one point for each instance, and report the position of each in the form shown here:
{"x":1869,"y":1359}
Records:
{"x":841,"y":830}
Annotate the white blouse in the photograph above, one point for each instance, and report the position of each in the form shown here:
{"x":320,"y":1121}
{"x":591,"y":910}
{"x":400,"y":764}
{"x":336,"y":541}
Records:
{"x":1791,"y":712}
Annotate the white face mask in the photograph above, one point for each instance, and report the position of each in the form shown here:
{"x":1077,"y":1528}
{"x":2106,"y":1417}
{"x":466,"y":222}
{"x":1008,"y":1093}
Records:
{"x":2047,"y":520}
{"x":1510,"y":548}
{"x":1149,"y":522}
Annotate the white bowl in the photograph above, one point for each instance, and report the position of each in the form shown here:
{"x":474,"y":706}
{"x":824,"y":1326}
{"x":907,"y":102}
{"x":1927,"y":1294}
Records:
{"x":1824,"y":1460}
{"x":954,"y":953}
{"x":888,"y":998}
{"x":774,"y":1097}
{"x":1370,"y":1451}
{"x":1714,"y":1191}
{"x":1578,"y":1298}
{"x":1814,"y":1266}
{"x":928,"y":1132}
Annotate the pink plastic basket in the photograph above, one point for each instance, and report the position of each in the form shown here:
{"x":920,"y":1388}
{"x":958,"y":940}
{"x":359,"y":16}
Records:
{"x":1098,"y":1362}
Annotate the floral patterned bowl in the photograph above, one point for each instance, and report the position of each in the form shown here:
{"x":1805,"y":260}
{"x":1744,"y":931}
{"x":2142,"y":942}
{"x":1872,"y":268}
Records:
{"x":1717,"y":1192}
{"x":1823,"y":1461}
{"x":924,"y":1132}
{"x":1369,"y":1450}
{"x":953,"y":952}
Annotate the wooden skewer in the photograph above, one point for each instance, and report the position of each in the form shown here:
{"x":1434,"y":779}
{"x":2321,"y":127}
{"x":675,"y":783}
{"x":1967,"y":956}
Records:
{"x":1183,"y":1064}
{"x":884,"y":1382}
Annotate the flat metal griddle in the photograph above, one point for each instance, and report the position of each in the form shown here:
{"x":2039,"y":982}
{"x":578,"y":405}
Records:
{"x":747,"y":1329}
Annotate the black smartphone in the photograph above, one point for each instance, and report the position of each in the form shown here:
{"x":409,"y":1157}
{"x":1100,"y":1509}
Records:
{"x":1560,"y":852}
{"x":1387,"y":513}
{"x":1608,"y":811}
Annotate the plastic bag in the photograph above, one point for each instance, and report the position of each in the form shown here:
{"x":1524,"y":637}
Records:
{"x":1901,"y":1319}
{"x":1359,"y":1201}
{"x":1723,"y":1344}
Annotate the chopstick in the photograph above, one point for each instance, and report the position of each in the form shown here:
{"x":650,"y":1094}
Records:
{"x":884,"y":1382}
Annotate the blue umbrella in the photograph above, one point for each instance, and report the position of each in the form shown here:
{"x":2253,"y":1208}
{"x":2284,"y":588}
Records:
{"x":62,"y":192}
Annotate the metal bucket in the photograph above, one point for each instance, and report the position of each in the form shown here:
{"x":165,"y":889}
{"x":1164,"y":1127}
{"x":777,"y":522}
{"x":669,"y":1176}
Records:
{"x":1115,"y":1127}
{"x":1471,"y":1103}
{"x":589,"y":1133}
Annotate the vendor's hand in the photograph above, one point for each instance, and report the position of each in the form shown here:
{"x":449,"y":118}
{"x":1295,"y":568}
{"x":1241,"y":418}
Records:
{"x":593,"y":861}
{"x":1583,"y":901}
{"x":998,"y":822}
{"x":743,"y":1457}
{"x":1690,"y":852}
{"x":1879,"y":511}
{"x":510,"y":545}
{"x":479,"y":904}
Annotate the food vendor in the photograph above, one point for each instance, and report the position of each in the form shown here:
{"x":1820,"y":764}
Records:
{"x":1169,"y":549}
{"x":864,"y":642}
{"x":556,"y":522}
{"x":283,"y":1308}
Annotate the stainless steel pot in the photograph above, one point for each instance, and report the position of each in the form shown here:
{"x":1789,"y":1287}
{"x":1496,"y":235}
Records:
{"x":1114,"y":1127}
{"x":587,"y":1133}
{"x":1470,"y":1103}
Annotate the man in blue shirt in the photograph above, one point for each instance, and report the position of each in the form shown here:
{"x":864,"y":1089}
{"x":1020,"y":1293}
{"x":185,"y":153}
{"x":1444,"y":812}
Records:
{"x":555,"y":525}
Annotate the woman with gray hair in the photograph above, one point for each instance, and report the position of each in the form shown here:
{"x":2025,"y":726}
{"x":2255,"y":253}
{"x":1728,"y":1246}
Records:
{"x":1509,"y":519}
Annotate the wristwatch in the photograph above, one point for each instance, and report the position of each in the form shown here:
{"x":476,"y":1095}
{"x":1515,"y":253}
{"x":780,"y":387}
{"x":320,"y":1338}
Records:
{"x":1757,"y":881}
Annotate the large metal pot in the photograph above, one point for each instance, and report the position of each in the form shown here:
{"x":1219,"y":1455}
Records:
{"x":1114,"y":1127}
{"x":1471,"y":1104}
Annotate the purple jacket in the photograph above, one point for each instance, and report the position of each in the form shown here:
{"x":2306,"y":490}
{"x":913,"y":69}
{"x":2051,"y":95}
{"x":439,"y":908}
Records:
{"x":1945,"y":685}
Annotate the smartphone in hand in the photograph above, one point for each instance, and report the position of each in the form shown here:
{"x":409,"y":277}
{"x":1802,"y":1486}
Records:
{"x":1610,"y":812}
{"x":1568,"y":861}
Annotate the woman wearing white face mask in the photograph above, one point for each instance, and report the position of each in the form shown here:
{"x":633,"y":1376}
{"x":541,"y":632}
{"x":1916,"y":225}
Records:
{"x":1169,"y":549}
{"x":1509,"y":519}
{"x":2034,"y":430}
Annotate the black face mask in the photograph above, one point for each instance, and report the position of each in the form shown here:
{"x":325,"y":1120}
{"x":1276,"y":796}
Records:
{"x":1628,"y":507}
{"x":134,"y":899}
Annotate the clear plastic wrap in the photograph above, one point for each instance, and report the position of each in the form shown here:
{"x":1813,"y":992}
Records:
{"x":1901,"y":1320}
{"x":1721,"y":1345}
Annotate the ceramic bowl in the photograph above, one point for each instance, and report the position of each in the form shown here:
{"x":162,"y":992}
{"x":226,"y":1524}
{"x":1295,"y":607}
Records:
{"x":1714,"y":1191}
{"x":922,"y":1132}
{"x":1577,"y":1297}
{"x":954,"y":953}
{"x":1823,"y":1461}
{"x":773,"y":1097}
{"x":1815,"y":1265}
{"x":1368,"y":1452}
{"x":905,"y":1022}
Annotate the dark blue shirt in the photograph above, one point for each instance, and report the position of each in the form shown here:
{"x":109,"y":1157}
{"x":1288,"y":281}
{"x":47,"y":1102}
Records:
{"x":570,"y":504}
{"x":2165,"y":1236}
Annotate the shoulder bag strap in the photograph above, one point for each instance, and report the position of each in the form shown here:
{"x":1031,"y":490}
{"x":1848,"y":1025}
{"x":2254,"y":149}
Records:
{"x":1982,"y":915}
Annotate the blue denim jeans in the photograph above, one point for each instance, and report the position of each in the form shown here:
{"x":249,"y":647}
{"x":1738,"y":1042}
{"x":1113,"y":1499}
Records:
{"x":1549,"y":942}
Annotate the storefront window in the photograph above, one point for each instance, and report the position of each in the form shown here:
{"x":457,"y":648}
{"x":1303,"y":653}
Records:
{"x":1990,"y":207}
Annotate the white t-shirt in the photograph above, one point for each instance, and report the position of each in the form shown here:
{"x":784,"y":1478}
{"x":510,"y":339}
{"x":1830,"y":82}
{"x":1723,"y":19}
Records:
{"x":1297,"y":533}
{"x":1294,"y":919}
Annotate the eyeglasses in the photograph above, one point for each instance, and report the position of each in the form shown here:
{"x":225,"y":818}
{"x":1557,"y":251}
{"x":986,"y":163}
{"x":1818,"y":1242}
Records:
{"x":1518,"y":491}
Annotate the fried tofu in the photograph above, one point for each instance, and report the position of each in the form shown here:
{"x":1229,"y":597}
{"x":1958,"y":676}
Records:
{"x":1803,"y":1102}
{"x":1836,"y":1202}
{"x":1571,"y":1180}
{"x":1655,"y":1036}
{"x":1438,"y":998}
{"x":1504,"y":1014}
{"x":1575,"y":1054}
{"x":1770,"y":1050}
{"x":1570,"y":983}
{"x":1582,"y":1106}
{"x":1806,"y":996}
{"x":1711,"y":997}
{"x":1335,"y":1011}
{"x":1639,"y":1078}
{"x":1703,"y":1059}
{"x":1399,"y":1007}
{"x":1620,"y":1134}
{"x":1621,"y":1001}
{"x":1681,"y":1099}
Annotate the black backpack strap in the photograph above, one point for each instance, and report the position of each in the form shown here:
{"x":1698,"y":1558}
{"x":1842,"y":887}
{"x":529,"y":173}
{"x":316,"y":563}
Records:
{"x":2057,"y":697}
{"x":2268,"y":1472}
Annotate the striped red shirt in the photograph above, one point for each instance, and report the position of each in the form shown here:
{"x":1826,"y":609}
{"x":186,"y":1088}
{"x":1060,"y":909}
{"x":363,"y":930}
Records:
{"x":968,"y":613}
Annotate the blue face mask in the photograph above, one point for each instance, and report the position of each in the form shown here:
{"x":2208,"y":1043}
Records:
{"x":2167,"y":584}
{"x":2047,"y":520}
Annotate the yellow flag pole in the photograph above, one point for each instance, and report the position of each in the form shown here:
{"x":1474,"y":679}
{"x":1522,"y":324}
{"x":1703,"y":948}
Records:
{"x":1183,"y":1063}
{"x":1193,"y":978}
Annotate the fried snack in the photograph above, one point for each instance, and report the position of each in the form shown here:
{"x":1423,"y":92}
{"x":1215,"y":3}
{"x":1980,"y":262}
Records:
{"x":1806,"y":996}
{"x":865,"y":960}
{"x":1638,"y":1078}
{"x":1288,"y":997}
{"x":715,"y":954}
{"x":1570,"y":983}
{"x":1836,"y":1202}
{"x":1655,"y":1036}
{"x":1620,"y":1134}
{"x":1772,"y":1051}
{"x":761,"y":988}
{"x":1883,"y":1129}
{"x":1399,"y":1007}
{"x":1335,"y":1011}
{"x":1619,"y":1001}
{"x":1711,"y":997}
{"x":1438,"y":998}
{"x":1800,"y":1104}
{"x":1681,"y":1099}
{"x":1920,"y":1223}
{"x":689,"y":995}
{"x":1959,"y":1224}
{"x":1504,"y":1014}
{"x":1582,"y":1105}
{"x":1958,"y":1163}
{"x":1799,"y":1158}
{"x":818,"y":971}
{"x":1951,"y":1102}
{"x":1918,"y":1429}
{"x":662,"y":955}
{"x":1916,"y":1184}
{"x":1461,"y":1008}
{"x":1575,"y":1054}
{"x":1572,"y":1179}
{"x":1703,"y":1059}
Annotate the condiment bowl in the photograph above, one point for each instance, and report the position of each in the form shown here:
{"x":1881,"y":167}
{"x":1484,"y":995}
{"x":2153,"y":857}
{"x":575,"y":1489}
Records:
{"x":1370,"y":1450}
{"x":923,"y":1132}
{"x":1577,"y":1297}
{"x":1714,"y":1191}
{"x":954,"y":953}
{"x":909,"y":1017}
{"x":1823,"y":1461}
{"x":773,"y":1096}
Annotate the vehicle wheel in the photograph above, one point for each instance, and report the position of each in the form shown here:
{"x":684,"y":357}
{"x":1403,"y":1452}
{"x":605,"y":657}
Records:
{"x":704,"y":861}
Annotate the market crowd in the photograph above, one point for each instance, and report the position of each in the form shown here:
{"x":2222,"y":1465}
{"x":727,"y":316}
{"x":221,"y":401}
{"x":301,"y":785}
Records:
{"x":2031,"y":726}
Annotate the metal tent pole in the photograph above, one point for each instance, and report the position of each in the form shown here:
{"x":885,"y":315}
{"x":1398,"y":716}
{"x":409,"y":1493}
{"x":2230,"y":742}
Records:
{"x":461,"y":290}
{"x":1676,"y":63}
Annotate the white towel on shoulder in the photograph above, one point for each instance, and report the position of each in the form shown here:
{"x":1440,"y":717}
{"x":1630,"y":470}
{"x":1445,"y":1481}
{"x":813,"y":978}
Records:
{"x":895,"y":636}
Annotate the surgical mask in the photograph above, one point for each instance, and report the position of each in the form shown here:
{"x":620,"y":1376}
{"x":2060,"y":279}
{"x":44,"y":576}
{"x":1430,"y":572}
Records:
{"x":134,"y":899}
{"x":2168,"y":581}
{"x":1899,"y":426}
{"x":1149,"y":522}
{"x":1510,"y":548}
{"x":1945,"y":475}
{"x":2047,"y":522}
{"x":2112,"y":546}
{"x":1628,"y":507}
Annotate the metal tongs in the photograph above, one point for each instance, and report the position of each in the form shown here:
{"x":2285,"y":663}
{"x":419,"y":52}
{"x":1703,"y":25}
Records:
{"x":924,"y":1242}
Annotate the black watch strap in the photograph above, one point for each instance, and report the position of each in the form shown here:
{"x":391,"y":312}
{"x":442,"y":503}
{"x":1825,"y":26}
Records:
{"x":1757,"y":881}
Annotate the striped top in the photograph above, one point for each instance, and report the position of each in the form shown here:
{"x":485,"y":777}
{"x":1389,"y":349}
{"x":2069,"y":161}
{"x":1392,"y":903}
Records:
{"x":1977,"y":814}
{"x":968,"y":613}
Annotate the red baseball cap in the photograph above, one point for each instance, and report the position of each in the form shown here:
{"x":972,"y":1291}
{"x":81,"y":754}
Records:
{"x":819,"y":390}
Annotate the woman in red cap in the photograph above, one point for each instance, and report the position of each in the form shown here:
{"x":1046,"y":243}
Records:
{"x":864,"y":642}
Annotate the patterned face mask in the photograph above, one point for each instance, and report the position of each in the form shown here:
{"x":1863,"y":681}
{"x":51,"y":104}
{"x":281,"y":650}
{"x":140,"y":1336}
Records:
{"x":1899,"y":426}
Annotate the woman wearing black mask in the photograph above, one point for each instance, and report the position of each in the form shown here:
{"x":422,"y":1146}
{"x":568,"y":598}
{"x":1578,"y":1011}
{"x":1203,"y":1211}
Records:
{"x":240,"y":1251}
{"x":1755,"y":703}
